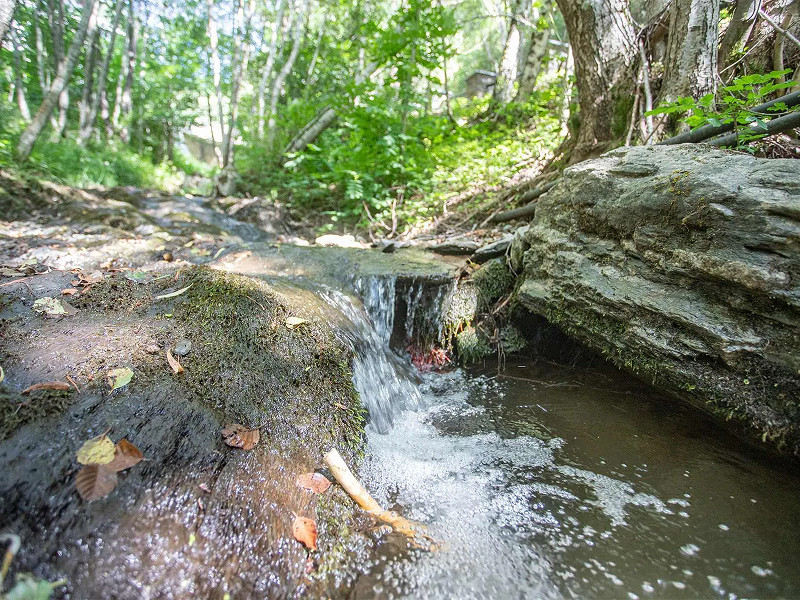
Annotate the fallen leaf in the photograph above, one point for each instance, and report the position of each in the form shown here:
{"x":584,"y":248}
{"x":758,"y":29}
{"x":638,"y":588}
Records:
{"x":238,"y":436}
{"x":316,"y":482}
{"x":118,"y":378}
{"x":69,"y":292}
{"x":49,"y":306}
{"x":95,"y":277}
{"x":173,"y":294}
{"x":293,"y":322}
{"x":305,"y":532}
{"x":174,"y":363}
{"x":137,"y":276}
{"x":30,"y":588}
{"x":99,"y":450}
{"x":125,"y":456}
{"x":95,"y":481}
{"x":48,"y":385}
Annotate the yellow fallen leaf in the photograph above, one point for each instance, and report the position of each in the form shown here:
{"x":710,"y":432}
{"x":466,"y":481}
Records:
{"x":118,"y":378}
{"x":99,"y":450}
{"x":293,"y":322}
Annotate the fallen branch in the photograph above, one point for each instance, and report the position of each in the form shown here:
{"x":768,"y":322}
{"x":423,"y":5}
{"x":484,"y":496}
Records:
{"x":526,"y":210}
{"x":779,"y":125}
{"x":359,"y":493}
{"x":708,"y":131}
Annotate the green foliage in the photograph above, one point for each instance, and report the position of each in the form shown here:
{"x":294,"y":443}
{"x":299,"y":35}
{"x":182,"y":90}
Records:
{"x":735,"y":105}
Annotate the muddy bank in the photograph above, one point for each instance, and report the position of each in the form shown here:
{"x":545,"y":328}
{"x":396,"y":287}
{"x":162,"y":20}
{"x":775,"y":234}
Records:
{"x":159,"y":533}
{"x":680,"y":265}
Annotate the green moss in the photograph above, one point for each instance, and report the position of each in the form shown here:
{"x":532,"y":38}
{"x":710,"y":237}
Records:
{"x":471,"y":345}
{"x":492,"y":281}
{"x":17,"y":410}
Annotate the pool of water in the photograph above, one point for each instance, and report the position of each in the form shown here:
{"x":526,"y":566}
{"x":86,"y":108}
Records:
{"x":548,"y":481}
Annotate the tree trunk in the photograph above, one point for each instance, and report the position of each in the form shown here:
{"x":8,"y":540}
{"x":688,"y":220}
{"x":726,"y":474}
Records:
{"x":216,"y":65}
{"x":602,"y":36}
{"x":88,"y":79}
{"x":507,"y":76}
{"x":323,"y":119}
{"x":60,"y":81}
{"x":126,"y":102}
{"x":241,"y":55}
{"x":540,"y":37}
{"x":100,"y":97}
{"x":277,"y":86}
{"x":744,"y":15}
{"x":44,"y":79}
{"x":6,"y":13}
{"x":691,"y":64}
{"x":19,"y":85}
{"x":266,"y":74}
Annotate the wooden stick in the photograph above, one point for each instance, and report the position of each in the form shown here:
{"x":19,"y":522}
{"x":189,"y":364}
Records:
{"x":359,"y":493}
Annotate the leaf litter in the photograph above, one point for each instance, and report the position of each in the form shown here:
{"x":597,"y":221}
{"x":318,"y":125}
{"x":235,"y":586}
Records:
{"x":102,"y":460}
{"x":238,"y":436}
{"x":315,"y":482}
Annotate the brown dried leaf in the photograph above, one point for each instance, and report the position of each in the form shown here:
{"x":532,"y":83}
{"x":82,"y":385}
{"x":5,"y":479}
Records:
{"x":238,"y":436}
{"x":174,"y":363}
{"x":69,"y":292}
{"x":316,"y":482}
{"x":48,"y":385}
{"x":305,"y":532}
{"x":95,"y":481}
{"x":125,"y":456}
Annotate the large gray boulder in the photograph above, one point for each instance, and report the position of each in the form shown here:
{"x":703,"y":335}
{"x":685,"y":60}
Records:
{"x":681,"y":264}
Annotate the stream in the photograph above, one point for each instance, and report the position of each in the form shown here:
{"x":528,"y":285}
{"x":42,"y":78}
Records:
{"x":544,"y":480}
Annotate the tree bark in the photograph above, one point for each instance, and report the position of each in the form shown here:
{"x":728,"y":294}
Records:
{"x":6,"y":13}
{"x":60,"y":81}
{"x":19,"y":84}
{"x":241,"y":56}
{"x":55,"y":16}
{"x":540,"y":37}
{"x":126,"y":100}
{"x":691,"y":64}
{"x":216,"y":65}
{"x":277,"y":86}
{"x":266,"y":74}
{"x":100,"y":97}
{"x":744,"y":15}
{"x":602,"y":36}
{"x":507,"y":76}
{"x":88,"y":79}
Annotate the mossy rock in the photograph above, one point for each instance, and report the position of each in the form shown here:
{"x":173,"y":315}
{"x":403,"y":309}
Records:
{"x":159,"y":528}
{"x":471,"y":345}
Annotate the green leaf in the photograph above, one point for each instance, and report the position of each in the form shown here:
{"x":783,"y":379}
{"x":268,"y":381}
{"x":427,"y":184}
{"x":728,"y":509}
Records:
{"x":29,"y":588}
{"x":118,"y":378}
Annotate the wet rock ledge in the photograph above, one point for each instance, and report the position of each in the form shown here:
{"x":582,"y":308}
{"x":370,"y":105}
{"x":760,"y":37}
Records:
{"x":681,"y":264}
{"x":196,"y":518}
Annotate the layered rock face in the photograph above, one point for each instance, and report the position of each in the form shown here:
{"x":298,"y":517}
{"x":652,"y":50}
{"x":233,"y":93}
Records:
{"x":681,"y":264}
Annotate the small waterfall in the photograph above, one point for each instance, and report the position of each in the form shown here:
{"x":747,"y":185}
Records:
{"x":406,"y":311}
{"x":386,"y":383}
{"x":378,"y":294}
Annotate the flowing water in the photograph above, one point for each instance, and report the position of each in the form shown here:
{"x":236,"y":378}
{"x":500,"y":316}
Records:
{"x":551,"y":481}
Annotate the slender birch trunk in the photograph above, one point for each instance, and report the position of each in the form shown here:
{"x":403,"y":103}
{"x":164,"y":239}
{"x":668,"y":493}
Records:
{"x":100,"y":97}
{"x":88,"y":79}
{"x":277,"y":86}
{"x":266,"y":74}
{"x":507,"y":76}
{"x":540,"y":38}
{"x":6,"y":13}
{"x":60,"y":81}
{"x":241,"y":47}
{"x":19,"y":85}
{"x":216,"y":65}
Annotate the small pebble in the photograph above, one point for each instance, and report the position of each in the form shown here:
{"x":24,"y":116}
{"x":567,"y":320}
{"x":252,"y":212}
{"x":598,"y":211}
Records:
{"x":167,"y":256}
{"x":182,"y":348}
{"x":152,"y":349}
